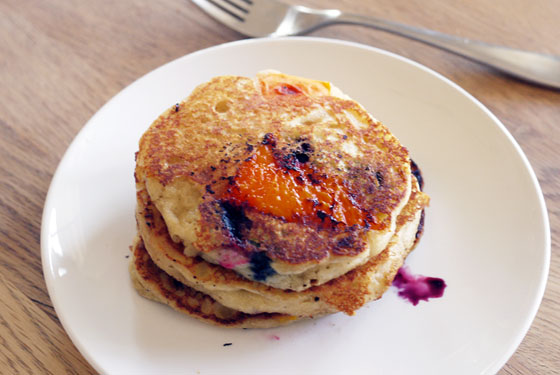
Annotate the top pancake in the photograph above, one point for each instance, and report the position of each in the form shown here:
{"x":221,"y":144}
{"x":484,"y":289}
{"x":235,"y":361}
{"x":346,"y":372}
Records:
{"x":275,"y":177}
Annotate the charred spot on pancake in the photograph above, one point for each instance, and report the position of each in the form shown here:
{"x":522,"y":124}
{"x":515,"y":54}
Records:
{"x":303,"y":152}
{"x":306,"y":147}
{"x":147,"y":213}
{"x":234,"y":221}
{"x":269,"y":139}
{"x":231,"y":179}
{"x":177,"y":284}
{"x":349,"y":244}
{"x":301,"y":157}
{"x":346,"y":242}
{"x":313,"y":179}
{"x":288,"y":162}
{"x":149,"y":216}
{"x":209,"y":189}
{"x":379,"y":177}
{"x":260,"y":266}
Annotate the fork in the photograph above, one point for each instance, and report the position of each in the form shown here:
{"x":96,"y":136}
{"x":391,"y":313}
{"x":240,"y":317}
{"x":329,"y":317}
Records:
{"x":271,"y":18}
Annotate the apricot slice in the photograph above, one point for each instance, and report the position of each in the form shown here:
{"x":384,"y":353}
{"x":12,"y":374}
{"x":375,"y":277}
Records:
{"x":294,"y":191}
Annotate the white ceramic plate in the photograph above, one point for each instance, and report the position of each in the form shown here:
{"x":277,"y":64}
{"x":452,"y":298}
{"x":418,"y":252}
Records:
{"x":487,"y":232}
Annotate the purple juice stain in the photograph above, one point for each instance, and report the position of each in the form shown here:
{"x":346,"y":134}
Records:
{"x":416,"y":288}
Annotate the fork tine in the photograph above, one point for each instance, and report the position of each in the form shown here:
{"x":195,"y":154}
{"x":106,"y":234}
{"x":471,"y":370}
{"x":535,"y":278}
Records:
{"x":227,"y":8}
{"x":243,"y":7}
{"x":254,"y":18}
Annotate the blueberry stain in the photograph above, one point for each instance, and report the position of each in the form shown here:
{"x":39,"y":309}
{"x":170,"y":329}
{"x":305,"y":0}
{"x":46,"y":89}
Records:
{"x":234,"y":220}
{"x":417,"y":173}
{"x":416,"y":288}
{"x":260,"y":266}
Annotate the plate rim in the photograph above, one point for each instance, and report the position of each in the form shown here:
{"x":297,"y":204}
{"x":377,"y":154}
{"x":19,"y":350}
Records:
{"x":48,"y":203}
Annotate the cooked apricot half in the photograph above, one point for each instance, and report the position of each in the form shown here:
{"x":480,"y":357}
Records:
{"x":295,"y":192}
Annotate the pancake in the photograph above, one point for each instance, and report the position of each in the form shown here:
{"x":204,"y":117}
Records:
{"x":346,"y":293}
{"x":154,"y":284}
{"x":284,"y":180}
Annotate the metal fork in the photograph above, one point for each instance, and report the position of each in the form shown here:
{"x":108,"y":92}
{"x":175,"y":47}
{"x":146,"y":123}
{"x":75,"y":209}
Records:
{"x":260,"y":18}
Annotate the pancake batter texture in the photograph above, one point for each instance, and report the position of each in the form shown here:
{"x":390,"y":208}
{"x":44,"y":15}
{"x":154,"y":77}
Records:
{"x":262,"y":201}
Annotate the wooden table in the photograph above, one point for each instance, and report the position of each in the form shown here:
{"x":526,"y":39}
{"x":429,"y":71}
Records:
{"x":61,"y":60}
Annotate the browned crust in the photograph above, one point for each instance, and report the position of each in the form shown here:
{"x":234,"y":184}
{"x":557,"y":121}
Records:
{"x":293,"y":243}
{"x":351,"y":291}
{"x":160,"y":286}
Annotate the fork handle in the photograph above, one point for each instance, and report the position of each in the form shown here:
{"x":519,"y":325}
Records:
{"x":533,"y":67}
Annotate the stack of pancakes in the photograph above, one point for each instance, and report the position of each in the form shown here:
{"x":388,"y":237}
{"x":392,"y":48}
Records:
{"x":265,"y":200}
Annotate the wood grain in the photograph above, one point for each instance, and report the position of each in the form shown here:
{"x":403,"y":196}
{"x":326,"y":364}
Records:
{"x":61,"y":60}
{"x":32,"y":343}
